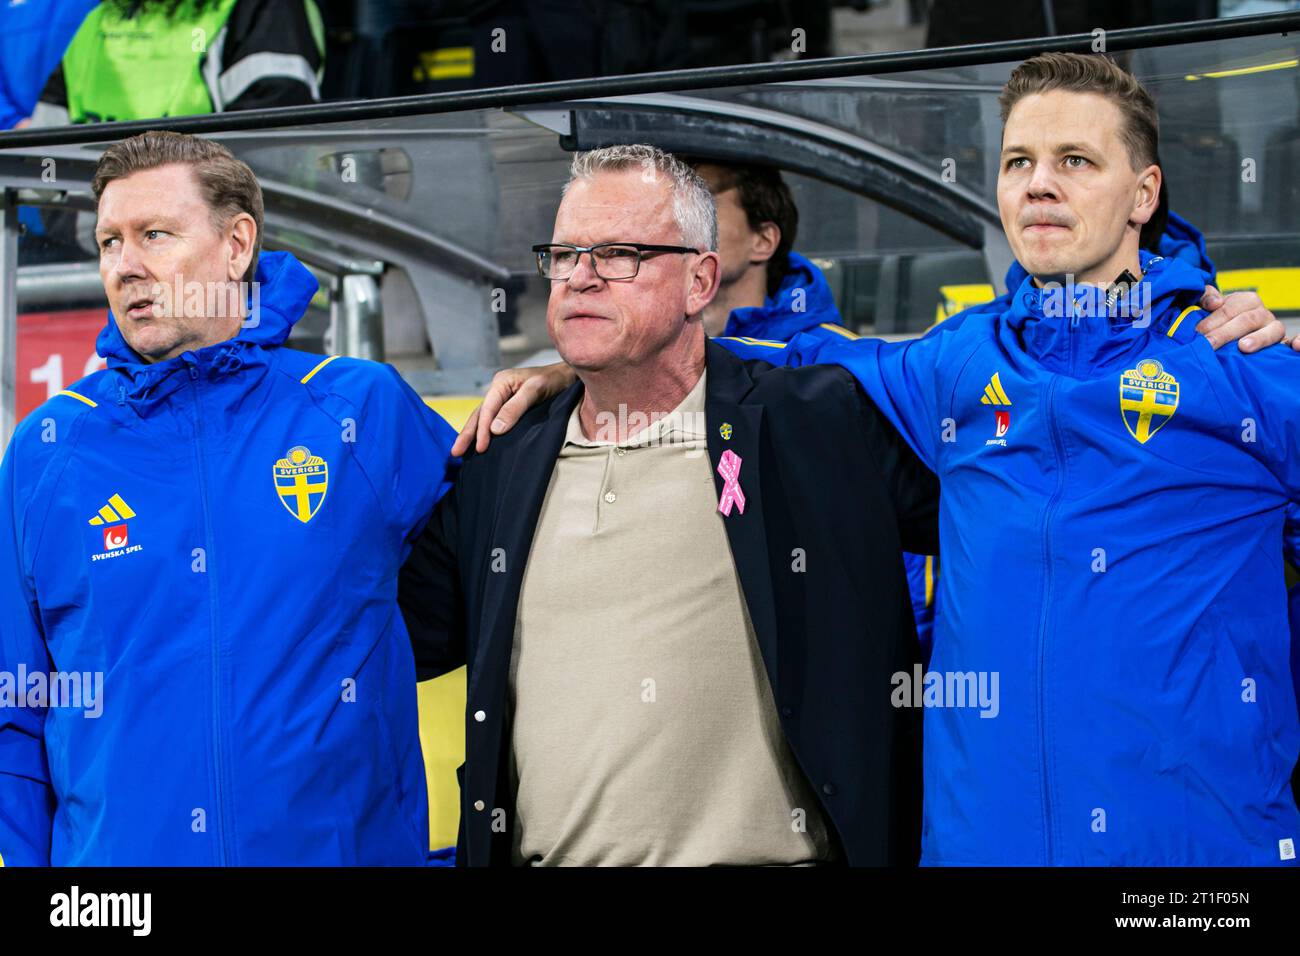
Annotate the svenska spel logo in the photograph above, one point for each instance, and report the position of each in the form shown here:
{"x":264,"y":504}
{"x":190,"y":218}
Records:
{"x":115,"y":534}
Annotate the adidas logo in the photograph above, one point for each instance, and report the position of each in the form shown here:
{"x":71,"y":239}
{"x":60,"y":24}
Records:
{"x":115,"y":510}
{"x":993,"y":393}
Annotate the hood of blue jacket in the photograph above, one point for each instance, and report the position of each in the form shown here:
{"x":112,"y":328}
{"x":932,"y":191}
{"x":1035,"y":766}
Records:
{"x":1069,"y":327}
{"x":777,"y":318}
{"x":802,"y":302}
{"x":285,"y":288}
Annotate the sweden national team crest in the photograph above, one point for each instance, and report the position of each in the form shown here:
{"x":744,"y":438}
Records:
{"x":1148,"y":398}
{"x":301,"y":479}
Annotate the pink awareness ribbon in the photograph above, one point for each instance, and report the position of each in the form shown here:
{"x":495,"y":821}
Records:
{"x":729,"y":469}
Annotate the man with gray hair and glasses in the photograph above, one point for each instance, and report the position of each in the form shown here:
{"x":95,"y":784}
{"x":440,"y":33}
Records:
{"x":680,"y":636}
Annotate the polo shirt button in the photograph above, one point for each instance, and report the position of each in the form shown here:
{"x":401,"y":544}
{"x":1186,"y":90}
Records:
{"x":479,"y":804}
{"x":828,"y":789}
{"x":786,"y":711}
{"x":621,"y":452}
{"x":611,"y":497}
{"x":480,"y":716}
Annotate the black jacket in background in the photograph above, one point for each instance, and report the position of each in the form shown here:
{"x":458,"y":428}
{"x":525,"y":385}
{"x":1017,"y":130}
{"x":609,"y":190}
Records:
{"x":825,"y":476}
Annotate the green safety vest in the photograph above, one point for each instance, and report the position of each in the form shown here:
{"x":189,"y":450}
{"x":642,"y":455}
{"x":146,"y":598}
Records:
{"x":150,"y":65}
{"x":147,"y":66}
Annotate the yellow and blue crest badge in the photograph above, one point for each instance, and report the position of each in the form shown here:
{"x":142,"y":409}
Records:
{"x":301,"y":479}
{"x":1148,"y":398}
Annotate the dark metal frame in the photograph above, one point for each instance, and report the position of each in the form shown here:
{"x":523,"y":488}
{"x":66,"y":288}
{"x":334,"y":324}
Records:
{"x":671,"y":81}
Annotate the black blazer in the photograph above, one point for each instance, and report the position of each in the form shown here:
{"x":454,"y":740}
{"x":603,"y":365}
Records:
{"x":833,"y":495}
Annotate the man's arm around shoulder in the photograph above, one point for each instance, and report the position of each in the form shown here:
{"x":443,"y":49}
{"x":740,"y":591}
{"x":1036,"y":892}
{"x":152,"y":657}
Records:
{"x":913,"y":487}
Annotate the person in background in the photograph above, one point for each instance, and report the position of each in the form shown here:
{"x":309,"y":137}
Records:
{"x":768,"y":291}
{"x":33,"y":37}
{"x":142,"y":59}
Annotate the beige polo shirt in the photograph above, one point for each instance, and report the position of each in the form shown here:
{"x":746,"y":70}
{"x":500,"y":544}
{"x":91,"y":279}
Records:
{"x":644,"y":729}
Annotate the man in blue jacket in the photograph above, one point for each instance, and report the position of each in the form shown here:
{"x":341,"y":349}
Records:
{"x":768,"y":291}
{"x":1114,"y":495}
{"x":201,"y":657}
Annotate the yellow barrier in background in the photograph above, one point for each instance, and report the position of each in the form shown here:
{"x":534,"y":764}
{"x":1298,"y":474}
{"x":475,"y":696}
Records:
{"x":442,"y":703}
{"x":1278,"y":286}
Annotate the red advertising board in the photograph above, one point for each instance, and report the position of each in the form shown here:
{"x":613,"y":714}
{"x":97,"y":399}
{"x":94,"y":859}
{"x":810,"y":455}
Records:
{"x":55,"y":349}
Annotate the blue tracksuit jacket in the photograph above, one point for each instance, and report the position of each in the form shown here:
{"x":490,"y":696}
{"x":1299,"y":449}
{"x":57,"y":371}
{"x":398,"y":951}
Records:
{"x":1114,"y":493}
{"x":218,"y":536}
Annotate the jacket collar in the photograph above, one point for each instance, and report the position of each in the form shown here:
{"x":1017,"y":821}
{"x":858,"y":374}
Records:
{"x":729,"y":378}
{"x":1180,"y":240}
{"x":1076,"y":329}
{"x":804,"y":301}
{"x":728,"y":382}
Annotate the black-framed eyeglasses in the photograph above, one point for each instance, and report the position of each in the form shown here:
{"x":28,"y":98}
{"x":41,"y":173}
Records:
{"x":611,"y":260}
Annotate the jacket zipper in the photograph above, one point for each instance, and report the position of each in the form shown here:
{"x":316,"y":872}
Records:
{"x":1074,"y":328}
{"x":214,"y":630}
{"x":1050,"y":512}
